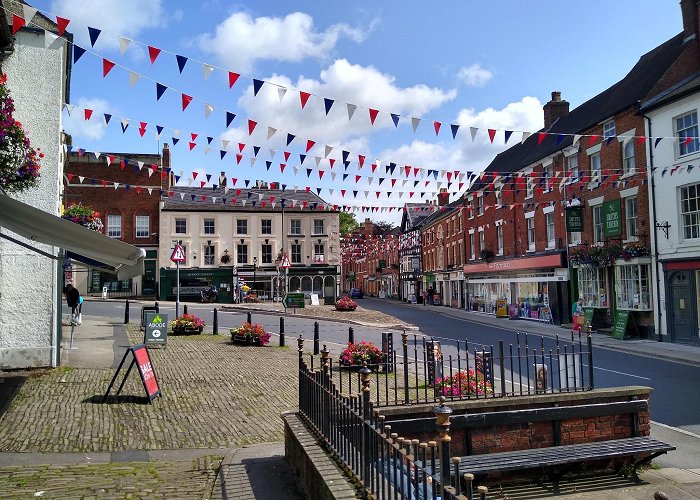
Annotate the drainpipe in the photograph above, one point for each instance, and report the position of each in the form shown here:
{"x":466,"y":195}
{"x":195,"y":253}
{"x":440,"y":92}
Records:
{"x":652,"y":227}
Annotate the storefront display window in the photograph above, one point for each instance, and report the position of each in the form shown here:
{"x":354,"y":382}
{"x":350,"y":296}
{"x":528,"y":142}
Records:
{"x":483,"y":296}
{"x":592,"y":286}
{"x":632,"y":286}
{"x":532,"y":297}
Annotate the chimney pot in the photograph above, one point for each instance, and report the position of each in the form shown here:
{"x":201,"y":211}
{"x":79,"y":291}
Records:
{"x":556,"y":96}
{"x":554,"y":109}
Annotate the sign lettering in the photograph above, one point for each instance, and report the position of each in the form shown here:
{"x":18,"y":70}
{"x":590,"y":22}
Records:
{"x":574,"y":219}
{"x":612,"y":218}
{"x":156,"y":329}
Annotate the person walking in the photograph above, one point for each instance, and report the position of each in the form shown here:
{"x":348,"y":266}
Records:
{"x":579,"y":316}
{"x":75,"y":302}
{"x":431,"y":293}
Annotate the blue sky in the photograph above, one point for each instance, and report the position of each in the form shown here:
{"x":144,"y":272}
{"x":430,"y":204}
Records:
{"x":477,"y":64}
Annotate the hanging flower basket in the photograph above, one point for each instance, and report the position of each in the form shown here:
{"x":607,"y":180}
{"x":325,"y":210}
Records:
{"x":225,"y":258}
{"x":19,"y":162}
{"x":250,"y":334}
{"x":85,"y":216}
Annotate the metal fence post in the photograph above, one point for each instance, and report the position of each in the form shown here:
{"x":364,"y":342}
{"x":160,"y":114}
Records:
{"x":366,"y":412}
{"x":300,"y":348}
{"x":483,"y":490}
{"x":249,"y":318}
{"x":502,"y":358}
{"x":281,"y":331}
{"x":325,"y":403}
{"x":157,"y":307}
{"x":468,"y":480}
{"x":351,"y":335}
{"x":184,"y":309}
{"x":126,"y":313}
{"x":316,"y":340}
{"x":404,"y":340}
{"x":215,"y":323}
{"x":442,"y":418}
{"x":590,"y":360}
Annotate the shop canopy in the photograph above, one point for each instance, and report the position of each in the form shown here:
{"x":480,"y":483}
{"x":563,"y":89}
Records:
{"x":84,"y":245}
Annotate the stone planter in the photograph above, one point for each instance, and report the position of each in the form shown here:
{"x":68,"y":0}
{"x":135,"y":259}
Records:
{"x":187,"y":331}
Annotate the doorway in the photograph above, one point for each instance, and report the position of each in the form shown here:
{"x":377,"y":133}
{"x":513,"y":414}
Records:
{"x":682,"y":309}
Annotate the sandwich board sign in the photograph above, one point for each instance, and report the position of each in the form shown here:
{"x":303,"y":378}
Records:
{"x":142,"y":360}
{"x":156,"y":329}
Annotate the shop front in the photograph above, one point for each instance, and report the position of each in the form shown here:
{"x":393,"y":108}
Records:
{"x":533,"y":288}
{"x":195,"y":280}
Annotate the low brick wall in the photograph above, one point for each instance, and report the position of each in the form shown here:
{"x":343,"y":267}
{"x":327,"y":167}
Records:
{"x":522,"y":436}
{"x":318,"y":474}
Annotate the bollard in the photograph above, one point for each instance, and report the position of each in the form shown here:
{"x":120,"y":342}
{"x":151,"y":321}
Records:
{"x":249,"y":318}
{"x":483,"y":490}
{"x":469,"y":491}
{"x":215,"y":323}
{"x":442,"y":419}
{"x":157,"y":307}
{"x":351,"y":335}
{"x":184,"y":309}
{"x":281,"y":331}
{"x":126,"y":313}
{"x":316,"y":340}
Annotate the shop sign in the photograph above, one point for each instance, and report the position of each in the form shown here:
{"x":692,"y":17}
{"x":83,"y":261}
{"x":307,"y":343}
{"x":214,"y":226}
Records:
{"x":554,"y":260}
{"x":156,"y":328}
{"x":620,"y":324}
{"x":612,"y":218}
{"x":574,"y":219}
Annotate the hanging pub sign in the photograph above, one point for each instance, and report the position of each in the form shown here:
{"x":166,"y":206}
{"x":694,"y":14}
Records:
{"x":574,"y":219}
{"x":142,"y":360}
{"x":612,"y":218}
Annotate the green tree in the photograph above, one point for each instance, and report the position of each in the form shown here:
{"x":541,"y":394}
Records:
{"x":348,"y":223}
{"x":382,"y":227}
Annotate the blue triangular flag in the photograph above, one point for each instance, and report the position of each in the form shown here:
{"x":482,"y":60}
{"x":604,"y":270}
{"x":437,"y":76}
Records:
{"x":177,"y":178}
{"x":345,"y":155}
{"x":318,"y":190}
{"x":610,"y":139}
{"x":395,"y":118}
{"x":455,"y":128}
{"x":345,"y":176}
{"x":346,"y":164}
{"x":284,"y":186}
{"x":69,"y":148}
{"x":256,"y":149}
{"x":257,"y":85}
{"x":560,"y":137}
{"x":254,"y":203}
{"x":181,"y":61}
{"x":435,"y":174}
{"x":229,"y":118}
{"x":247,"y":182}
{"x":290,"y":138}
{"x":354,"y":194}
{"x":192,"y":196}
{"x":381,"y":179}
{"x":249,"y":194}
{"x":392,"y":167}
{"x":94,"y":33}
{"x":269,"y":164}
{"x":160,"y":90}
{"x":208,"y":177}
{"x":308,"y":172}
{"x":302,"y":158}
{"x":126,"y":187}
{"x":328,"y":103}
{"x":107,"y":118}
{"x":657,"y":141}
{"x":222,"y":152}
{"x":159,"y":129}
{"x":209,"y":139}
{"x":690,"y":167}
{"x":77,"y":53}
{"x":175,"y":140}
{"x":124,"y":127}
{"x":214,"y":186}
{"x":507,"y":135}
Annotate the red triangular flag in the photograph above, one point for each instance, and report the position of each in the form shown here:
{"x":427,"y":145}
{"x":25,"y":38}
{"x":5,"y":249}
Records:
{"x":331,"y":161}
{"x":286,"y":155}
{"x":232,"y":77}
{"x":238,"y":158}
{"x":192,"y":145}
{"x":342,"y":192}
{"x":492,"y":134}
{"x":87,"y":113}
{"x":361,"y":160}
{"x":193,"y":136}
{"x":202,"y":183}
{"x":320,"y":174}
{"x":282,"y":165}
{"x":309,"y":144}
{"x":62,"y":23}
{"x":437,"y":126}
{"x":142,"y":131}
{"x":357,"y":178}
{"x":186,"y":100}
{"x":393,"y":181}
{"x":373,"y":115}
{"x":641,"y":139}
{"x":153,"y":52}
{"x":592,"y":139}
{"x":104,"y":183}
{"x":304,"y":96}
{"x":17,"y":23}
{"x":195,"y":174}
{"x":107,"y":66}
{"x":251,"y":126}
{"x":138,"y":189}
{"x":241,"y":147}
{"x":374,"y":167}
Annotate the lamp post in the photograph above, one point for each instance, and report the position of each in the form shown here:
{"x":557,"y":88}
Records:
{"x":255,"y":268}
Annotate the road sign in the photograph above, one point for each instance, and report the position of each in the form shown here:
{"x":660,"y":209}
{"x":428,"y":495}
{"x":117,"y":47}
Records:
{"x":285,"y":262}
{"x":295,"y":300}
{"x":178,"y":254}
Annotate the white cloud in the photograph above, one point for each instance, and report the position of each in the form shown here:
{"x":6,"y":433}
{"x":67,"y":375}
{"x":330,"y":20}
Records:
{"x":474,"y":76}
{"x":363,"y":86}
{"x":128,"y":18}
{"x":240,"y":40}
{"x":94,"y":129}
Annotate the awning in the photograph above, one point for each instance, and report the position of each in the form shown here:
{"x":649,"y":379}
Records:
{"x":85,"y":245}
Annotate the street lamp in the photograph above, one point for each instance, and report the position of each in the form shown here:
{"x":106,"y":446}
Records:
{"x":255,"y":268}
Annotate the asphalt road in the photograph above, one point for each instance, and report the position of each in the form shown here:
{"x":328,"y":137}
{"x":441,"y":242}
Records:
{"x":675,"y":401}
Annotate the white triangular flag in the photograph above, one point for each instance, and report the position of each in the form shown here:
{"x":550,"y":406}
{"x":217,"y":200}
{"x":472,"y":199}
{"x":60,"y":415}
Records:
{"x":81,"y":179}
{"x":577,"y":137}
{"x":415,"y":122}
{"x":123,"y":44}
{"x":28,"y":13}
{"x":133,"y":78}
{"x":125,"y":122}
{"x":369,"y":180}
{"x":333,"y":174}
{"x":351,"y":110}
{"x":281,"y":91}
{"x":50,"y":39}
{"x":270,"y":132}
{"x":224,"y":143}
{"x":206,"y":150}
{"x":296,"y":171}
{"x":260,"y":196}
{"x":213,"y":199}
{"x":473,"y":131}
{"x":116,"y":185}
{"x":109,"y":161}
{"x":327,"y":150}
{"x":208,"y":108}
{"x":182,"y":196}
{"x":252,"y":160}
{"x":97,"y":155}
{"x":150,"y":172}
{"x":273,"y":204}
{"x":207,"y":69}
{"x":150,"y":190}
{"x":140,"y":164}
{"x":273,"y":152}
{"x":523,"y":139}
{"x":69,"y":108}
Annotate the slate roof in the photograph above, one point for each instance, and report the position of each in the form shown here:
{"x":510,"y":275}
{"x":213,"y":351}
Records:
{"x":628,"y":92}
{"x":414,"y":215}
{"x":681,"y":89}
{"x":175,"y":202}
{"x":439,"y":214}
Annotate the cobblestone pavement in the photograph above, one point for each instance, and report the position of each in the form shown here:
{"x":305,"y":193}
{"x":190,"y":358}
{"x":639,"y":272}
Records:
{"x":182,"y":479}
{"x":216,"y":395}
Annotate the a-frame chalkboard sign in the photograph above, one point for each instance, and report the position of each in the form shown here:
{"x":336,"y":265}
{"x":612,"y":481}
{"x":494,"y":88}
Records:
{"x":142,"y":360}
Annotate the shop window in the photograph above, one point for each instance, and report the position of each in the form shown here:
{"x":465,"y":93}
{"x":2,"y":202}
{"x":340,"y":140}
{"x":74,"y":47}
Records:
{"x":575,"y":238}
{"x":295,"y":227}
{"x":180,"y":226}
{"x":319,"y":253}
{"x":532,"y":296}
{"x":209,"y":255}
{"x":628,"y":163}
{"x":241,"y":226}
{"x":632,"y":286}
{"x":143,"y":226}
{"x":242,"y":254}
{"x":266,"y":226}
{"x":592,"y":286}
{"x":266,"y":253}
{"x":294,"y":283}
{"x":631,"y":216}
{"x":296,"y":253}
{"x":598,"y":224}
{"x":114,"y":226}
{"x":686,"y":129}
{"x":531,"y":234}
{"x":690,"y":211}
{"x":209,"y":226}
{"x":482,"y":297}
{"x":306,"y":284}
{"x":549,"y":220}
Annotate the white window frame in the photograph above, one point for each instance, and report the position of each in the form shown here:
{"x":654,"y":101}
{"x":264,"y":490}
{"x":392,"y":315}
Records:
{"x":319,"y":223}
{"x":633,"y":287}
{"x":689,"y":201}
{"x":551,"y":231}
{"x":296,"y":257}
{"x":263,"y":229}
{"x":595,"y":165}
{"x":240,"y":222}
{"x":531,"y":243}
{"x":472,"y":255}
{"x":295,"y":231}
{"x":598,"y":223}
{"x":266,"y":257}
{"x":499,"y":197}
{"x":239,"y":253}
{"x":529,"y":187}
{"x":480,"y":206}
{"x":499,"y":238}
{"x":572,"y":170}
{"x":206,"y":228}
{"x":609,"y":129}
{"x":593,"y":286}
{"x":631,"y":218}
{"x":209,"y":255}
{"x":142,"y":230}
{"x":482,"y":241}
{"x":182,"y":220}
{"x":688,"y":130}
{"x":548,"y":175}
{"x":114,"y":226}
{"x":629,"y":165}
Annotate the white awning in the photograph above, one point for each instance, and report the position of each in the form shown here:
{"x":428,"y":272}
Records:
{"x":122,"y":259}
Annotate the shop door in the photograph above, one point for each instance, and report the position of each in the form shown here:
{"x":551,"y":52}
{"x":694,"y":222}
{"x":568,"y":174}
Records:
{"x":682,"y":325}
{"x":148,"y":282}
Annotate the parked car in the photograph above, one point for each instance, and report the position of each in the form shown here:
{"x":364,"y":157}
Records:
{"x":356,"y":293}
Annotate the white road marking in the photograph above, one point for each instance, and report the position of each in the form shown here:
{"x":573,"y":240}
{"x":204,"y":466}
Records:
{"x":676,"y":429}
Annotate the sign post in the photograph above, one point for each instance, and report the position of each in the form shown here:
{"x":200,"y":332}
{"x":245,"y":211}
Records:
{"x":142,"y":360}
{"x":156,"y":329}
{"x":177,"y":256}
{"x":294,"y":300}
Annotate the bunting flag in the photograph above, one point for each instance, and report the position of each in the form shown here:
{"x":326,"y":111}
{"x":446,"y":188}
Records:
{"x":304,"y":97}
{"x":62,"y":24}
{"x":94,"y":35}
{"x":181,"y":61}
{"x":77,"y":52}
{"x":207,"y":70}
{"x":373,"y":115}
{"x":153,"y":53}
{"x":328,"y":104}
{"x":186,"y":100}
{"x":17,"y":23}
{"x":229,"y":118}
{"x":160,"y":90}
{"x":232,"y":79}
{"x":251,"y":126}
{"x":436,"y":126}
{"x":257,"y":85}
{"x":492,"y":134}
{"x":107,"y":66}
{"x":395,"y":119}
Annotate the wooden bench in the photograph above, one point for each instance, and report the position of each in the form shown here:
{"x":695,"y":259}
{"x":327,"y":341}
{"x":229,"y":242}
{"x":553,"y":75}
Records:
{"x":559,"y":457}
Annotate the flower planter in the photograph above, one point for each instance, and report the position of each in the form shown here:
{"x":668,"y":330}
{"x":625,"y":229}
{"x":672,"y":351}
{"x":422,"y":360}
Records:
{"x":188,"y":331}
{"x":243,"y":339}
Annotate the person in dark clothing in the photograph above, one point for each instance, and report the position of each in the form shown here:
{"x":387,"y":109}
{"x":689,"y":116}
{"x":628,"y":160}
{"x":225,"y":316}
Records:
{"x":75,"y":302}
{"x":431,"y":292}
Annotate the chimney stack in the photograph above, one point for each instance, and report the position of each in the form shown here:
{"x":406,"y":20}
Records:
{"x":443,"y":197}
{"x":369,"y":227}
{"x":554,"y":109}
{"x":689,"y":11}
{"x":222,"y":180}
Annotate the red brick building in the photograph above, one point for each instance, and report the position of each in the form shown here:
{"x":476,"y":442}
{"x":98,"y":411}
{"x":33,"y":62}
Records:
{"x":131,"y":212}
